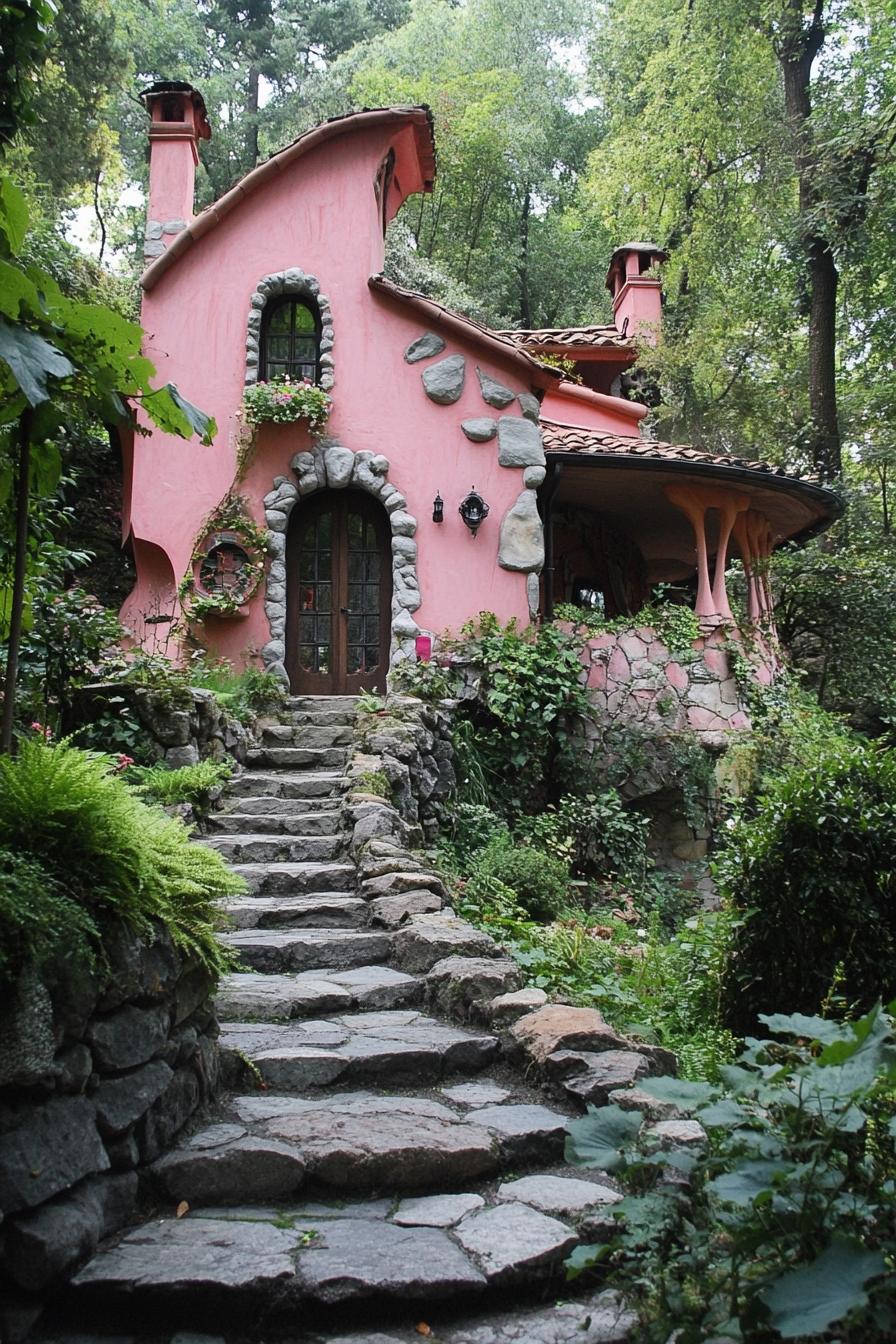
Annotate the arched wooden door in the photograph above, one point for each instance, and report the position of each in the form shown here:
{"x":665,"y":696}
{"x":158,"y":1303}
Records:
{"x":338,"y":595}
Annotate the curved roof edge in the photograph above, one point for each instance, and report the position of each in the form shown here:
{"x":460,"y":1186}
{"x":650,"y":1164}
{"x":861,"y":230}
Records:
{"x":541,"y":375}
{"x":570,"y":340}
{"x":574,"y":443}
{"x":419,"y":117}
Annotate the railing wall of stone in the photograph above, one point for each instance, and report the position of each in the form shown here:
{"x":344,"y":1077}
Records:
{"x":98,"y":1072}
{"x":182,"y":727}
{"x":634,"y":677}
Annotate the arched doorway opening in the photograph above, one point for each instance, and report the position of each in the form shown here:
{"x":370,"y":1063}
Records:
{"x":338,"y":594}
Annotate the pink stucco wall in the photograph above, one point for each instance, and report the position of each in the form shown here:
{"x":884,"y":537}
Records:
{"x":321,"y":216}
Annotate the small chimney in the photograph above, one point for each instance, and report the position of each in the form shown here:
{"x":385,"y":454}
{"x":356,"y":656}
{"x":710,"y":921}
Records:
{"x":178,"y":121}
{"x":637,"y":296}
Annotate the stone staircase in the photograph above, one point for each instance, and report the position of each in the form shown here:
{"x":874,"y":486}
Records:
{"x":375,"y":1165}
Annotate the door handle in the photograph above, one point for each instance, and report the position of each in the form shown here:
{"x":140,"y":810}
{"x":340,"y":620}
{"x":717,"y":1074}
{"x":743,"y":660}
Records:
{"x":345,"y":611}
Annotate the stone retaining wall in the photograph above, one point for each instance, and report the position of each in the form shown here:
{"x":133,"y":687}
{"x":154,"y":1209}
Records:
{"x":408,"y":742}
{"x":183,"y":726}
{"x":98,"y":1072}
{"x":633,"y":677}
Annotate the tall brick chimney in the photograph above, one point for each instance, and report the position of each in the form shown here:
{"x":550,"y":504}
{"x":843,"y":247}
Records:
{"x":178,"y":121}
{"x":637,"y":296}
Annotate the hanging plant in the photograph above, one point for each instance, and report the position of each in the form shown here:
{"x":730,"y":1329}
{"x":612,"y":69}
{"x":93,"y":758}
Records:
{"x":285,"y":402}
{"x":228,"y":563}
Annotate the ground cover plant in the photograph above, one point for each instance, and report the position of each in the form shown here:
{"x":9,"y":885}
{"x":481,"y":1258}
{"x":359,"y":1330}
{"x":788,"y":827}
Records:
{"x":69,"y":812}
{"x":782,"y":1223}
{"x":188,"y":784}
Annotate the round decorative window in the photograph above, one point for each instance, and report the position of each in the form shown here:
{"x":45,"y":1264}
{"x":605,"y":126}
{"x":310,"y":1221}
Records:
{"x":225,"y":569}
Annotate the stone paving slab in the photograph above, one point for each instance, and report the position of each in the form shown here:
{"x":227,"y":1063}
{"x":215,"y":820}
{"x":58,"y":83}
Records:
{"x":563,"y":1196}
{"x":354,"y":1258}
{"x":321,"y":911}
{"x":303,"y":949}
{"x":266,"y":848}
{"x":291,"y":879}
{"x":258,"y":786}
{"x":276,"y":821}
{"x":513,"y":1241}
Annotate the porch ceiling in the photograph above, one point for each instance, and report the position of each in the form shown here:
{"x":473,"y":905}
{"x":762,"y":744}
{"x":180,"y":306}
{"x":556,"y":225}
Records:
{"x":630,"y":495}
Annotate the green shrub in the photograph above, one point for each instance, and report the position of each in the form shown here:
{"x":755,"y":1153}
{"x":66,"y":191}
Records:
{"x":70,"y":811}
{"x":810,"y":867}
{"x":782,"y":1226}
{"x":188,"y":784}
{"x":540,"y":881}
{"x":376,"y":782}
{"x":38,"y":921}
{"x":472,"y":827}
{"x":595,"y":835}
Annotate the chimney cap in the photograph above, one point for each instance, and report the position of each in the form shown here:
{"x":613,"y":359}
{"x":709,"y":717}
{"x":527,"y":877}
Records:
{"x":168,"y":86}
{"x":617,"y":261}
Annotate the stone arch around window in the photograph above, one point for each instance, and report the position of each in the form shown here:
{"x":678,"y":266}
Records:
{"x":331,"y":466}
{"x":294,"y":284}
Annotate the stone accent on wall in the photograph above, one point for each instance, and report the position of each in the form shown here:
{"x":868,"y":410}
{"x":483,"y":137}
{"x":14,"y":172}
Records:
{"x":530,"y":406}
{"x":425,"y":347}
{"x":493,"y":392}
{"x":443,"y":383}
{"x":330,"y":465}
{"x":295,"y":283}
{"x":155,"y":231}
{"x":108,"y":1065}
{"x":521,"y":541}
{"x":480,"y":429}
{"x":519,"y":443}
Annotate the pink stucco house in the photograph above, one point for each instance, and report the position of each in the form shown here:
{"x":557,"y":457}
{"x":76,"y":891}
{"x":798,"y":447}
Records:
{"x":456,"y":473}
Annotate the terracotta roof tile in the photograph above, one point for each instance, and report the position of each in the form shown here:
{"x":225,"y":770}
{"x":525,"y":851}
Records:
{"x":573,"y":338}
{"x":591,"y":443}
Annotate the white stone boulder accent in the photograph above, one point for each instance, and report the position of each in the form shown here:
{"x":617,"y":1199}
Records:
{"x":530,"y":406}
{"x":480,"y":429}
{"x":521,"y":541}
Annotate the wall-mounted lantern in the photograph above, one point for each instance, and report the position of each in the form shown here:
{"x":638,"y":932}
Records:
{"x":438,"y":509}
{"x":474,"y":511}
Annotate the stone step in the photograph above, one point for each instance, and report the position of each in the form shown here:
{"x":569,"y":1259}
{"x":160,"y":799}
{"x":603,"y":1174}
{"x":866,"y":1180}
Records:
{"x":297,"y":758}
{"x":265,"y":848}
{"x":319,"y":718}
{"x":295,"y":879}
{"x":250,"y":996}
{"x":307,"y":735}
{"x":275,"y":821}
{"x":323,"y":910}
{"x":392,"y":1048}
{"x":322,"y":786}
{"x":313,"y":704}
{"x":280,"y":950}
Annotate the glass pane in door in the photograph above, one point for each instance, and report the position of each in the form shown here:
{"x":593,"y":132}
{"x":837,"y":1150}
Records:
{"x":362,"y":648}
{"x":315,"y":568}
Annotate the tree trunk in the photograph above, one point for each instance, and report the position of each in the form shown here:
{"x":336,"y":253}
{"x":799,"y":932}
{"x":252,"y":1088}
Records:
{"x":18,"y":583}
{"x":796,"y":50}
{"x":252,"y":119}
{"x":525,"y":297}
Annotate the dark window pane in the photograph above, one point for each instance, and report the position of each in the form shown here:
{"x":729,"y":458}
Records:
{"x":371,"y":659}
{"x":355,"y":596}
{"x":281,"y":318}
{"x":355,"y":529}
{"x":325,"y":530}
{"x":373,"y":566}
{"x":371,"y":597}
{"x":325,"y":566}
{"x":306,"y":628}
{"x":355,"y":566}
{"x":324,"y":594}
{"x":372,"y":629}
{"x":278,"y":347}
{"x":353,"y":659}
{"x":306,"y":657}
{"x":323,"y":629}
{"x":355,"y":629}
{"x":306,"y":565}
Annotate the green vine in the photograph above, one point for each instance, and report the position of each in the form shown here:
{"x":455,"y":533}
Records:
{"x":676,"y":626}
{"x":231,"y":515}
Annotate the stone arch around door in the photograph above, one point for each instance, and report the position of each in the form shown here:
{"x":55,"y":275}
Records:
{"x":331,"y":466}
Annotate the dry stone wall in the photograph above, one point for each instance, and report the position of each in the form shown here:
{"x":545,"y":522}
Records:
{"x":99,"y":1070}
{"x":181,"y":727}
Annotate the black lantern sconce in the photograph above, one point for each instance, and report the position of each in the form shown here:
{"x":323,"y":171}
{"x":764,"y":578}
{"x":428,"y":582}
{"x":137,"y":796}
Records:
{"x":438,"y":509}
{"x":474,"y":511}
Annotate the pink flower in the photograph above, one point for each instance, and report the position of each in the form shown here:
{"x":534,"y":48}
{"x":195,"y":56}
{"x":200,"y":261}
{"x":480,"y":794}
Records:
{"x":123,"y":762}
{"x":46,"y":733}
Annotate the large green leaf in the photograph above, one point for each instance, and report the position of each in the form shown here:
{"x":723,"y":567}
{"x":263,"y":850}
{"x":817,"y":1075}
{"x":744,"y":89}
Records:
{"x":31,"y":360}
{"x":174,"y":414}
{"x":584,"y":1257}
{"x":807,"y":1300}
{"x":15,"y":286}
{"x":686,"y":1096}
{"x":597,"y":1139}
{"x":798,"y":1024}
{"x":747,"y":1181}
{"x":13,"y":214}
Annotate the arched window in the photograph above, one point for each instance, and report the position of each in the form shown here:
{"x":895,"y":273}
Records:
{"x":291,"y":341}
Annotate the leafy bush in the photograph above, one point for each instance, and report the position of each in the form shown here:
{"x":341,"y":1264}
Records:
{"x":596,"y":836}
{"x":69,"y":635}
{"x":70,"y":811}
{"x":541,"y":882}
{"x":810,"y":867}
{"x":675,"y":623}
{"x":472,"y":827}
{"x":188,"y":784}
{"x":783,"y":1227}
{"x":38,"y":921}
